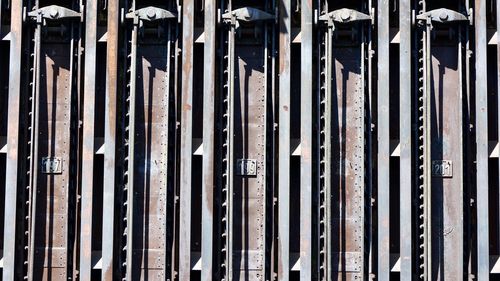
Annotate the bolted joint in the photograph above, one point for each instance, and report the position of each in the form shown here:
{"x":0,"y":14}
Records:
{"x":151,"y":14}
{"x":54,"y":12}
{"x":443,"y":15}
{"x":345,"y":16}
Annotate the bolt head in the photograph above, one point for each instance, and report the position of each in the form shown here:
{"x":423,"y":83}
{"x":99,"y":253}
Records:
{"x":54,"y":14}
{"x":345,"y":15}
{"x":443,"y":16}
{"x":151,"y":14}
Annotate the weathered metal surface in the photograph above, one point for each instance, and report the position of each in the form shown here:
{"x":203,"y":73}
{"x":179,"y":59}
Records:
{"x":12,"y":248}
{"x":53,"y":191}
{"x":383,"y":127}
{"x":348,"y":186}
{"x":186,"y":147}
{"x":447,"y":144}
{"x":88,"y":140}
{"x":405,"y":138}
{"x":361,"y":146}
{"x":481,"y":129}
{"x":284,"y":135}
{"x":249,"y":209}
{"x":109,"y":268}
{"x":151,"y":170}
{"x":209,"y":175}
{"x":306,"y":142}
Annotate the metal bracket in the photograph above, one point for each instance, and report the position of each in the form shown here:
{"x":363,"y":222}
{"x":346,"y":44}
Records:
{"x":345,"y":16}
{"x":246,"y":167}
{"x":151,"y":14}
{"x":51,"y":165}
{"x":442,"y":15}
{"x":248,"y":14}
{"x":54,"y":12}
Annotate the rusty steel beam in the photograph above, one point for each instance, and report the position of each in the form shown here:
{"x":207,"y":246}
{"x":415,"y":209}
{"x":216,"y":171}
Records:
{"x":306,"y":124}
{"x":482,"y":153}
{"x":383,"y":157}
{"x":89,"y":103}
{"x":186,"y":149}
{"x":208,"y":186}
{"x":284,"y":153}
{"x":108,"y":235}
{"x":405,"y":135}
{"x":10,"y":247}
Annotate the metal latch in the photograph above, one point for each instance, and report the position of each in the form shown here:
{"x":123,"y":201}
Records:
{"x":151,"y":14}
{"x":345,"y":15}
{"x":442,"y":15}
{"x":246,"y":167}
{"x":51,"y":165}
{"x":442,"y":168}
{"x":54,"y":12}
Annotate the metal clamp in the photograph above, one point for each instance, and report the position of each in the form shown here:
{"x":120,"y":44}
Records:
{"x":151,"y":14}
{"x":54,"y":12}
{"x":345,"y":15}
{"x":442,"y":15}
{"x":248,"y":14}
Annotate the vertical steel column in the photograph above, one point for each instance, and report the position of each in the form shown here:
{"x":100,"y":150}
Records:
{"x":328,"y":150}
{"x":230,"y":159}
{"x":207,"y":221}
{"x":131,"y":149}
{"x":369,"y":144}
{"x":11,"y":174}
{"x":169,"y":249}
{"x":324,"y":115}
{"x":110,"y":140}
{"x":405,"y":124}
{"x":186,"y":140}
{"x":88,"y":140}
{"x":427,"y":150}
{"x":306,"y":124}
{"x":383,"y":118}
{"x":285,"y":22}
{"x":483,"y":268}
{"x":35,"y":129}
{"x":72,"y":188}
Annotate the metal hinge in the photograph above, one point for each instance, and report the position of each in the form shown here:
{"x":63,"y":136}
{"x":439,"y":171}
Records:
{"x":53,"y":12}
{"x":443,"y":15}
{"x":344,"y":15}
{"x":151,"y":14}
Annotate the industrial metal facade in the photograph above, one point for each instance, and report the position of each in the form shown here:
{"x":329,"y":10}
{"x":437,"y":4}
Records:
{"x":249,"y":140}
